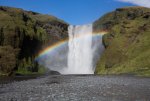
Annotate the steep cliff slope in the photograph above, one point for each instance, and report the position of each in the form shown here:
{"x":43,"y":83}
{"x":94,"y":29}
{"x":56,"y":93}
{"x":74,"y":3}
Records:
{"x":23,"y":34}
{"x":127,"y":42}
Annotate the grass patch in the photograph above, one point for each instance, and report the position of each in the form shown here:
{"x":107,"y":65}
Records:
{"x":127,"y":43}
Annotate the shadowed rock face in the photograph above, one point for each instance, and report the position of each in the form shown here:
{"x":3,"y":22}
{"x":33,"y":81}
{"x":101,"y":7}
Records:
{"x":127,"y":42}
{"x":23,"y":34}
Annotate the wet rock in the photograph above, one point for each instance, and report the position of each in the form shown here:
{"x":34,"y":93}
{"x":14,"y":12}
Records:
{"x":52,"y":73}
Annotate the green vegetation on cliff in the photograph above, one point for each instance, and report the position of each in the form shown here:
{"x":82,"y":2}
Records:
{"x":127,"y":42}
{"x":22,"y":35}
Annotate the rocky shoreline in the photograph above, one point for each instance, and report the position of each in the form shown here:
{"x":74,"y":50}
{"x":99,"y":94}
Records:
{"x":78,"y":88}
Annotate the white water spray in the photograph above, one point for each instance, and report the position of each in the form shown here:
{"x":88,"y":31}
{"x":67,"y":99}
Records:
{"x":80,"y":56}
{"x":80,"y":50}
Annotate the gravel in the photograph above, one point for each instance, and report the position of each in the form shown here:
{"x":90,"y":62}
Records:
{"x":78,"y":88}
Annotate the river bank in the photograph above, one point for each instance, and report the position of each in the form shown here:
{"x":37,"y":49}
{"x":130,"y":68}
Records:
{"x":78,"y":88}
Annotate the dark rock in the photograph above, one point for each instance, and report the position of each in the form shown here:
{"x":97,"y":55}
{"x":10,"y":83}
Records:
{"x":18,"y":74}
{"x":51,"y":72}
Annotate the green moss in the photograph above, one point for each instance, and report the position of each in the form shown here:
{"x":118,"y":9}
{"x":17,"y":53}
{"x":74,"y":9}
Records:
{"x":127,"y":43}
{"x":26,"y":69}
{"x":42,"y":70}
{"x":27,"y":33}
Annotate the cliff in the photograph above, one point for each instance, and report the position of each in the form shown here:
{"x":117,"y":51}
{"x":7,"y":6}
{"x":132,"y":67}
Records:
{"x":127,"y":42}
{"x":22,"y":35}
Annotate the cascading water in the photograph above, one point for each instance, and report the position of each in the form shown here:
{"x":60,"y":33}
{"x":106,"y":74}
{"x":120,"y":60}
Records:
{"x":80,"y":49}
{"x":81,"y":55}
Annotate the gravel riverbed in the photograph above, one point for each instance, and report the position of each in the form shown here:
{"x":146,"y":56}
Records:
{"x":78,"y":88}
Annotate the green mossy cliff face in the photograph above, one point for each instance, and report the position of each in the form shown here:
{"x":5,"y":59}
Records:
{"x":23,"y":34}
{"x":127,"y":42}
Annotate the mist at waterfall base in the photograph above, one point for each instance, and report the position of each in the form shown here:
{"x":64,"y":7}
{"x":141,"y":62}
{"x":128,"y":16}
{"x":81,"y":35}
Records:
{"x":78,"y":55}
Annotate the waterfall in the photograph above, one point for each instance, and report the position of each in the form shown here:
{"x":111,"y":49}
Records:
{"x":79,"y":55}
{"x":80,"y":49}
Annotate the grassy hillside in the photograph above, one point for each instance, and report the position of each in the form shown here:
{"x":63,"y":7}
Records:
{"x":127,"y":42}
{"x":22,"y":35}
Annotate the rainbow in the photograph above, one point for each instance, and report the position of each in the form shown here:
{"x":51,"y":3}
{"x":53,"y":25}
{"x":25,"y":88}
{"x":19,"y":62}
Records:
{"x":51,"y":49}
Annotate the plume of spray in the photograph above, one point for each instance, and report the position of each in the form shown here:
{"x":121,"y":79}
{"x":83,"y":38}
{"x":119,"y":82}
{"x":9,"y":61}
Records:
{"x":54,"y":58}
{"x":83,"y":49}
{"x":79,"y":55}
